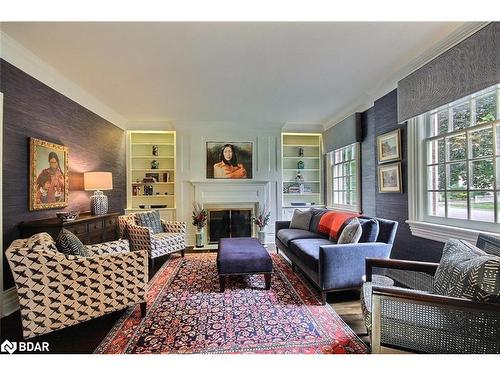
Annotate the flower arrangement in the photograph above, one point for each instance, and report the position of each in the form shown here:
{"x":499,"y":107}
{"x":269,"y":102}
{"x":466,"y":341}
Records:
{"x":262,"y":219}
{"x":200,"y":216}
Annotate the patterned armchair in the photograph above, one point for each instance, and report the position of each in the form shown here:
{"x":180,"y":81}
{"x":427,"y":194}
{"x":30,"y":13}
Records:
{"x":57,"y":291}
{"x":412,"y":316}
{"x":172,"y":239}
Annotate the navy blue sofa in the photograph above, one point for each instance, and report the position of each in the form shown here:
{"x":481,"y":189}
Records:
{"x":330,"y":266}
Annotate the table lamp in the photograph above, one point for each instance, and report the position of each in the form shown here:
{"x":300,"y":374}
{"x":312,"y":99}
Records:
{"x":98,"y":181}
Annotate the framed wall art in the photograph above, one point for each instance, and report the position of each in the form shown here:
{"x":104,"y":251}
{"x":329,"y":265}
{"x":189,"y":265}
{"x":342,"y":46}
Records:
{"x":389,"y":146}
{"x":48,"y":175}
{"x":389,"y":178}
{"x":229,"y":160}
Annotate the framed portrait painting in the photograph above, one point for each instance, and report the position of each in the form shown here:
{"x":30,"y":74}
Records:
{"x":48,"y":175}
{"x":389,"y":146}
{"x":389,"y":178}
{"x":229,"y":160}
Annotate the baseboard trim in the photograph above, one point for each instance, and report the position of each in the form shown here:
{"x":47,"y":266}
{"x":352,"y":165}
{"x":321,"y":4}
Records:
{"x":10,"y":302}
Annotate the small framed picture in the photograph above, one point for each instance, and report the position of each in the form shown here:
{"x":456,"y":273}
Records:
{"x":389,"y":146}
{"x":48,"y":175}
{"x":389,"y":178}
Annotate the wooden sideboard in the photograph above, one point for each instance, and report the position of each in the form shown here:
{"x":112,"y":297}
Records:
{"x":88,"y":228}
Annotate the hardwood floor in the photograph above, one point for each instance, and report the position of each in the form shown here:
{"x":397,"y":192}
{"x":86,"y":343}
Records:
{"x":86,"y":337}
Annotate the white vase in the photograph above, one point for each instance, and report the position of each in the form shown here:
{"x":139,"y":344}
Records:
{"x":200,"y":240}
{"x":262,"y":237}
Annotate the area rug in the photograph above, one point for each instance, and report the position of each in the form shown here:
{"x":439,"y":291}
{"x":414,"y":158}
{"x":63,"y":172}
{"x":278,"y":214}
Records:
{"x":188,"y":314}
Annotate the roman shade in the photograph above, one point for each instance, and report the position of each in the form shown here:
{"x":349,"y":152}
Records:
{"x":343,"y":134}
{"x":469,"y":66}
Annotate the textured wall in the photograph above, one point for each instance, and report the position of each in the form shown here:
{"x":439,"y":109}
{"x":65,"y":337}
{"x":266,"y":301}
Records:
{"x":368,"y":170}
{"x":32,"y":109}
{"x":394,"y":206}
{"x":470,"y":66}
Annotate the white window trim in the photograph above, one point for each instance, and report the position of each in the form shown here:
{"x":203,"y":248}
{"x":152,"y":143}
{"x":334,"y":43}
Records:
{"x":416,"y":190}
{"x":329,"y":186}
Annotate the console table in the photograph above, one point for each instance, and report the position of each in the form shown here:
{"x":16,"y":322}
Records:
{"x":90,"y":229}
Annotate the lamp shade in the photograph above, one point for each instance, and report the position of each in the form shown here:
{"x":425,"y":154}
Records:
{"x":98,"y":180}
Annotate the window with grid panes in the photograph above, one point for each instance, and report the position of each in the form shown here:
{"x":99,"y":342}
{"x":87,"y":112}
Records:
{"x":345,"y":178}
{"x":462,"y":157}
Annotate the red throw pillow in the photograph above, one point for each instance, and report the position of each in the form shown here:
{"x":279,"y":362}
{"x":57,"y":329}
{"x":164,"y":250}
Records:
{"x":332,"y":221}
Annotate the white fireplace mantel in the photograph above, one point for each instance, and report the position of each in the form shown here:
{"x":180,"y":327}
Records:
{"x":228,"y":191}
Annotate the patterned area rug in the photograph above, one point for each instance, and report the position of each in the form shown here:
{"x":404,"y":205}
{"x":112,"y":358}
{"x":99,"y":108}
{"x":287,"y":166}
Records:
{"x":188,"y":314}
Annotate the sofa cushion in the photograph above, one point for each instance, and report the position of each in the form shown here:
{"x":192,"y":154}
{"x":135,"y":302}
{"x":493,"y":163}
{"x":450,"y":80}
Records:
{"x":307,"y":250}
{"x":468,"y":272}
{"x":301,"y":219}
{"x":69,"y":244}
{"x":370,"y":229}
{"x":150,"y":219}
{"x":351,"y":233}
{"x":316,"y":217}
{"x":288,"y":235}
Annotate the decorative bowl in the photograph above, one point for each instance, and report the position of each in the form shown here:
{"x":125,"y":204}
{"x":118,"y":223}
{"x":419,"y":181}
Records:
{"x":68,"y":216}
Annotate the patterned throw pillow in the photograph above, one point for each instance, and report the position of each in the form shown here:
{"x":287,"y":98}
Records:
{"x":69,"y":244}
{"x":301,"y":219}
{"x":150,"y":219}
{"x":41,"y":241}
{"x":351,"y":233}
{"x":468,"y":272}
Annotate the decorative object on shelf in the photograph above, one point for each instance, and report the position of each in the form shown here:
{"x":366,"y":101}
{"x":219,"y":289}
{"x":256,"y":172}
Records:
{"x":98,"y":181}
{"x":136,"y":190}
{"x":155,"y":176}
{"x":166,"y":177}
{"x":299,"y":177}
{"x":158,"y":206}
{"x":155,"y":164}
{"x":48,"y":175}
{"x":155,"y":150}
{"x":200,"y":216}
{"x":300,"y":164}
{"x":389,"y":178}
{"x":389,"y":146}
{"x":67,"y":215}
{"x":148,"y":180}
{"x":148,"y":189}
{"x":297,"y":203}
{"x":142,"y":206}
{"x":261,"y":220}
{"x":301,"y":151}
{"x":229,"y":160}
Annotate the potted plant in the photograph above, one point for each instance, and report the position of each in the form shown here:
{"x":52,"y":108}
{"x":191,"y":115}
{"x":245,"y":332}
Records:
{"x":200,"y":216}
{"x":261,"y":221}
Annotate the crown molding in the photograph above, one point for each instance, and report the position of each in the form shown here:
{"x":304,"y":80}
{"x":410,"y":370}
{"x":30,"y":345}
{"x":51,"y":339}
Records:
{"x":17,"y":55}
{"x":366,"y":100}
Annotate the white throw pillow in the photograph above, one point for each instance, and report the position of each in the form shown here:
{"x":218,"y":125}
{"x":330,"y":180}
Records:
{"x":351,"y":233}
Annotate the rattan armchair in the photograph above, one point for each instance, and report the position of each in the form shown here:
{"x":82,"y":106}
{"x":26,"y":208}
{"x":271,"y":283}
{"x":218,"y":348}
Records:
{"x":409,"y":317}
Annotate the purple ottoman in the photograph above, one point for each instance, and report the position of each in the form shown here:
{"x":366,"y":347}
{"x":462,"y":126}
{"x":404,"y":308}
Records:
{"x":243,"y":256}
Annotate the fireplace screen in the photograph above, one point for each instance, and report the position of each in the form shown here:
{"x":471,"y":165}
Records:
{"x":229,"y":223}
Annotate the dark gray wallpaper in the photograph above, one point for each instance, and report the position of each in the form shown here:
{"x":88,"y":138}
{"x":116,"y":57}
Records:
{"x":32,"y":109}
{"x":368,"y":170}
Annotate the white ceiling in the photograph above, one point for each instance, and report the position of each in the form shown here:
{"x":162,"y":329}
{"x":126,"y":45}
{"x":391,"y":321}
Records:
{"x":237,"y":72}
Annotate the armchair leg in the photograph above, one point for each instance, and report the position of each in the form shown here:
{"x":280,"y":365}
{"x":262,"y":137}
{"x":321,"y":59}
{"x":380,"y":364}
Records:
{"x":182,"y":252}
{"x":323,"y":297}
{"x":143,"y":309}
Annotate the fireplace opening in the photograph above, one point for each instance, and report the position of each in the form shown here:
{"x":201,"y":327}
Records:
{"x":229,"y":223}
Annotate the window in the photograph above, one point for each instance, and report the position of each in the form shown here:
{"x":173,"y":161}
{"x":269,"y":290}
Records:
{"x":458,"y":148}
{"x":344,"y":178}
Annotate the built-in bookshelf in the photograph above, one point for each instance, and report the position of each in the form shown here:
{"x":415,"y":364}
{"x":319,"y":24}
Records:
{"x":301,"y":171}
{"x":151,"y":172}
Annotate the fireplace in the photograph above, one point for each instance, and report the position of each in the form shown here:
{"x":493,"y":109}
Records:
{"x":227,"y":223}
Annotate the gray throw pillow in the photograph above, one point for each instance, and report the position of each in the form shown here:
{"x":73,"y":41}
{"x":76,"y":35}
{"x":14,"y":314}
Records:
{"x":301,"y":219}
{"x":466,"y":271}
{"x":351,"y":233}
{"x":69,"y":244}
{"x":150,"y":219}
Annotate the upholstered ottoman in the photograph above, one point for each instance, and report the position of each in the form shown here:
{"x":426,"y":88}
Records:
{"x":243,"y":256}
